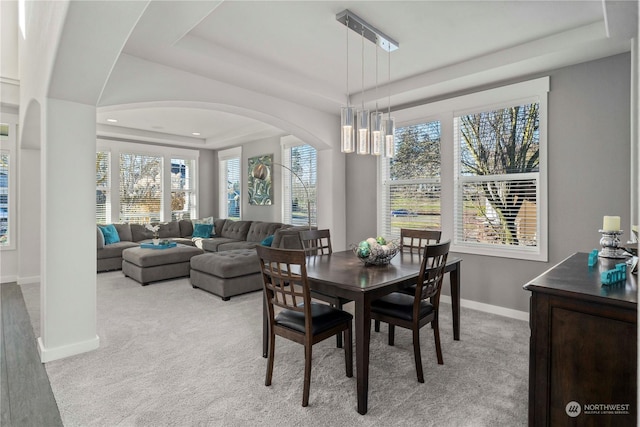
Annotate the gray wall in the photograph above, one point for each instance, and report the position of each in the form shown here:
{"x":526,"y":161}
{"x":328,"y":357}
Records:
{"x":208,"y":184}
{"x":589,"y":169}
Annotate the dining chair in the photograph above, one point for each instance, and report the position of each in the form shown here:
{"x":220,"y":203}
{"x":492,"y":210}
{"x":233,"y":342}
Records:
{"x":318,"y":242}
{"x":413,"y":241}
{"x":286,"y":286}
{"x":413,"y":312}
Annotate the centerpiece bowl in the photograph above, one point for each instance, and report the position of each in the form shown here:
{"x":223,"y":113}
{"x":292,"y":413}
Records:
{"x":376,"y":251}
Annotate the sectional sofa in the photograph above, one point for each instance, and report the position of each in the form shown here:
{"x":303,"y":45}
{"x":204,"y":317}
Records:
{"x":225,"y":264}
{"x":226,"y":235}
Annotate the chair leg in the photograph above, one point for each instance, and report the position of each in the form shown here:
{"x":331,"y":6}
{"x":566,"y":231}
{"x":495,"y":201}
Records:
{"x":307,"y":374}
{"x":348,"y":351}
{"x":272,"y":342}
{"x":392,"y":334}
{"x":376,"y":325}
{"x":436,"y":335}
{"x":416,"y":353}
{"x":338,"y":305}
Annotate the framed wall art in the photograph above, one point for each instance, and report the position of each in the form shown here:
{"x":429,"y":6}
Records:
{"x":259,"y":183}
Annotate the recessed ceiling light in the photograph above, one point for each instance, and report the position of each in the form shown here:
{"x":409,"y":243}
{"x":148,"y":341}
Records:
{"x":195,"y":133}
{"x":112,"y":120}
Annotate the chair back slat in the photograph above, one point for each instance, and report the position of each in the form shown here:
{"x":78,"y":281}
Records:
{"x":429,"y":284}
{"x":316,"y":242}
{"x":412,"y":240}
{"x":284,"y":277}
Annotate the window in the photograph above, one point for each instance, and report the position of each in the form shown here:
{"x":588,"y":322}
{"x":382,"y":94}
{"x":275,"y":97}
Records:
{"x":140,"y":188}
{"x":140,"y":183}
{"x":299,"y":182}
{"x":103,"y":187}
{"x":474,"y":166}
{"x":8,"y":182}
{"x":182,"y":190}
{"x":497,"y":156}
{"x":411,"y":180}
{"x":4,"y":198}
{"x":230,"y":183}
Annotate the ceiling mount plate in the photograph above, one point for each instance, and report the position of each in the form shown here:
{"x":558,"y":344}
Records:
{"x":371,"y":33}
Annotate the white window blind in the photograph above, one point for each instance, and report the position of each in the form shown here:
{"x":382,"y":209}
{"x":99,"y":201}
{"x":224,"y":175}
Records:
{"x":182,"y":189}
{"x":140,"y":188}
{"x":5,"y":235}
{"x":411,"y":180}
{"x":103,"y":187}
{"x":232,"y":190}
{"x":299,"y":193}
{"x":497,"y":176}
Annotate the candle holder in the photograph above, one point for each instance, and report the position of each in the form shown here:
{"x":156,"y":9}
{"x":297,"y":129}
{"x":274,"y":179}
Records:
{"x":610,"y":242}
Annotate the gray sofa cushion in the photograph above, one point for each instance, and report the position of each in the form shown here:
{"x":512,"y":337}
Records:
{"x":211,"y":245}
{"x":186,"y":228}
{"x":124,"y":231}
{"x":218,"y":225}
{"x":139,"y":232}
{"x":288,"y":238}
{"x":114,"y":250}
{"x":236,"y":230}
{"x":259,"y":230}
{"x":169,"y":229}
{"x":238,"y":244}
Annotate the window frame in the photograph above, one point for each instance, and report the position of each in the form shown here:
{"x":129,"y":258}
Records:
{"x":287,"y":143}
{"x":9,"y":146}
{"x":384,"y":206}
{"x":447,"y":110}
{"x":117,"y":147}
{"x":223,"y":157}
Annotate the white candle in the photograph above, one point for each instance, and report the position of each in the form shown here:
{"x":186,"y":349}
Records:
{"x":611,"y":223}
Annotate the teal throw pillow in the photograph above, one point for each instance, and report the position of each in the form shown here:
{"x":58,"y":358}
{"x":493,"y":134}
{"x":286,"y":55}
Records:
{"x":202,"y":230}
{"x":110,"y":234}
{"x":267,"y":241}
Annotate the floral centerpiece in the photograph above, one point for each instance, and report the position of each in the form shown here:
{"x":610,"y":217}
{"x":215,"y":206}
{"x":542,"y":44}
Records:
{"x":376,"y":251}
{"x":154,"y":229}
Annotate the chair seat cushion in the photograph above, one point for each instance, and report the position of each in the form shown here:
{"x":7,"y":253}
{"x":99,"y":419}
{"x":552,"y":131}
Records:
{"x":400,"y":305}
{"x":324,"y":317}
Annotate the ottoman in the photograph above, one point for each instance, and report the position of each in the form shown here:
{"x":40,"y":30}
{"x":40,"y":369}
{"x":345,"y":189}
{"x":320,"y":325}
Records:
{"x":227,"y":273}
{"x":150,"y":265}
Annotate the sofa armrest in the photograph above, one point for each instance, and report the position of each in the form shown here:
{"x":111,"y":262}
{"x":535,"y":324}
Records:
{"x":99,"y":238}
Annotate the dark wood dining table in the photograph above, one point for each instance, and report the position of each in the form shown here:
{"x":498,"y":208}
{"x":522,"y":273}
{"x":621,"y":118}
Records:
{"x":342,"y":274}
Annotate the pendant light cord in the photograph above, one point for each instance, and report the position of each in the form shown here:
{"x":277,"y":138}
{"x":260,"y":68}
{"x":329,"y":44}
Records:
{"x":362,"y":68}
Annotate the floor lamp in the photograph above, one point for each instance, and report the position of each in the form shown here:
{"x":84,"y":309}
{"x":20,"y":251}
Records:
{"x":261,"y":172}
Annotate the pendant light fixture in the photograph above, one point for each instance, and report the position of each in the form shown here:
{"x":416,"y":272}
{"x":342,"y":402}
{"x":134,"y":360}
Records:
{"x":374,"y":134}
{"x":363,"y":116}
{"x":390,"y":124}
{"x":348,"y":113}
{"x":377,"y":123}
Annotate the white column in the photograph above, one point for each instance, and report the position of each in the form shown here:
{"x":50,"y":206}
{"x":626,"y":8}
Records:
{"x":68,"y":248}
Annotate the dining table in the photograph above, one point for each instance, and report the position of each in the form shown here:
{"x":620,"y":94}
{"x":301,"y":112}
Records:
{"x":342,"y":274}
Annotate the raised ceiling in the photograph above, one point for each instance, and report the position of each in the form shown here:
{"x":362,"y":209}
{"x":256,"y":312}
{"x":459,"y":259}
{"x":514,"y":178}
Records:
{"x":296,"y":50}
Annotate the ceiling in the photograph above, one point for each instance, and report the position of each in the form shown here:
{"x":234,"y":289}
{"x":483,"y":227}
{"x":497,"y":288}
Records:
{"x":296,"y":50}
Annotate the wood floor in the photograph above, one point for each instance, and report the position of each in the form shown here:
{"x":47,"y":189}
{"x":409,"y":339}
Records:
{"x":26,"y":398}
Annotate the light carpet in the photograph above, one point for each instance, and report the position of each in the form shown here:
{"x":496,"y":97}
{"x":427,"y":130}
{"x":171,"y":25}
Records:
{"x":171,"y":355}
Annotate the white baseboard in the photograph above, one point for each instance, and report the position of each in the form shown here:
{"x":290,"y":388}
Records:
{"x":29,"y":279}
{"x":51,"y":354}
{"x":488,"y":308}
{"x":8,"y":279}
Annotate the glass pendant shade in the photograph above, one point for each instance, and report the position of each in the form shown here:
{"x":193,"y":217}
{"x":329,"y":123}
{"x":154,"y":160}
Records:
{"x":363,"y":132}
{"x":389,"y":139}
{"x":348,"y":130}
{"x":377,"y":133}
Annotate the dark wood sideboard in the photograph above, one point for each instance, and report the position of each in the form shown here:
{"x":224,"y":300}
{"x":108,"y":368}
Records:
{"x":583,"y":346}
